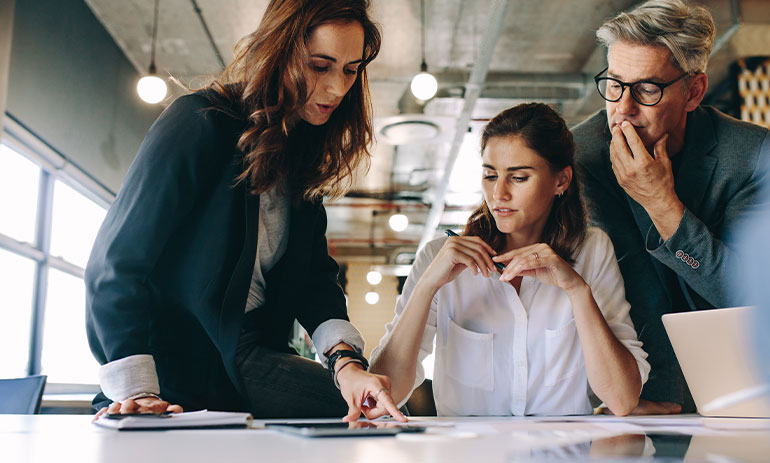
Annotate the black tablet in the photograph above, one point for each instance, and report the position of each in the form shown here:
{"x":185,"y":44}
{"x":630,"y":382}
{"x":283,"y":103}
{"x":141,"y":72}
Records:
{"x":358,"y":428}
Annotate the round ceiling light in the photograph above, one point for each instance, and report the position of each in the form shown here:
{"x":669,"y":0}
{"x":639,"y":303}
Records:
{"x":398,"y":222}
{"x":372,"y":297}
{"x":424,"y":86}
{"x":410,"y":131}
{"x":374,"y":277}
{"x":151,"y":89}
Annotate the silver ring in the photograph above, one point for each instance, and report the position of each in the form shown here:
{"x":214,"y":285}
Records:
{"x":377,"y":395}
{"x":536,"y":256}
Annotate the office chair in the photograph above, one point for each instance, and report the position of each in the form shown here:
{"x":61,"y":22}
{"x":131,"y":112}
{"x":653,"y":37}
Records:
{"x":421,"y":402}
{"x":21,"y":396}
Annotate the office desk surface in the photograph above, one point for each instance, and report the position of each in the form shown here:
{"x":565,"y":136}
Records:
{"x":46,"y":438}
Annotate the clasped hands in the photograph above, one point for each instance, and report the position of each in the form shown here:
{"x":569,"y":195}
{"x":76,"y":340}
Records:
{"x":471,"y":252}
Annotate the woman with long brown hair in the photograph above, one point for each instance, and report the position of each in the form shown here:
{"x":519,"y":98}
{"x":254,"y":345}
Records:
{"x":533,"y":338}
{"x":216,"y":241}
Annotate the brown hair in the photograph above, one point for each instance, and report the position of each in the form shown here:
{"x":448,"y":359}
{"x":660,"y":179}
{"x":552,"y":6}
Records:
{"x":545,"y":132}
{"x":266,"y":83}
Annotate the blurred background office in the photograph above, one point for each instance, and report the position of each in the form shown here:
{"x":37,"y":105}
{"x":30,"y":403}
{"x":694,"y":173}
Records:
{"x":73,"y":122}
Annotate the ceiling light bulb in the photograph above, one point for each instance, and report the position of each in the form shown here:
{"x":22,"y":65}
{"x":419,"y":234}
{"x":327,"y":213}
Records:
{"x":374,"y":277}
{"x":372,"y":297}
{"x":398,"y":222}
{"x":151,"y":89}
{"x":424,"y":86}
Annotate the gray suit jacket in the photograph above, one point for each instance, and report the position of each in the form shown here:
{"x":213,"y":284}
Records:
{"x":718,"y":180}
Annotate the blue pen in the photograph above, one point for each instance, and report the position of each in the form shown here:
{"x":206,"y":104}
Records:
{"x":499,"y":266}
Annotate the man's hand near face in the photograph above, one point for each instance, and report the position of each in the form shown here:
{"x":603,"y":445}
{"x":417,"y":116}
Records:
{"x":648,"y":180}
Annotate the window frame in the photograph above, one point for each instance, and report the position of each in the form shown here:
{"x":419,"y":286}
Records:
{"x":53,"y":166}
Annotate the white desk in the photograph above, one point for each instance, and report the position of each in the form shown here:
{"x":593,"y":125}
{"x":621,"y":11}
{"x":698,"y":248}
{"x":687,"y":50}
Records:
{"x":49,"y":438}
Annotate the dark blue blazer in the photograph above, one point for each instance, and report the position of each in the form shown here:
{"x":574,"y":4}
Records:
{"x":171,"y":266}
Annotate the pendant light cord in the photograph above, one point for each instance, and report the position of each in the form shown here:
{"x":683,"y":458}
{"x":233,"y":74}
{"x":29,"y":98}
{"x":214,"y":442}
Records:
{"x":423,"y":65}
{"x":154,"y":38}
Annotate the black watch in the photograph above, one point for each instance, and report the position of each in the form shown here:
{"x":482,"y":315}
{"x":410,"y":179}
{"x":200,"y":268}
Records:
{"x":336,"y":355}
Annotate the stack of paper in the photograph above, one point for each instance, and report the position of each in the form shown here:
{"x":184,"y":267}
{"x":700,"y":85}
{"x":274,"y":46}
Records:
{"x":199,"y":419}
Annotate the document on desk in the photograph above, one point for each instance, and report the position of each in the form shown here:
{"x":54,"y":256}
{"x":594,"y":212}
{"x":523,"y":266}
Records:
{"x":640,"y":420}
{"x":678,"y":424}
{"x":188,"y":420}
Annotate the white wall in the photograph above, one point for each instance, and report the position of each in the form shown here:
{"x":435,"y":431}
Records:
{"x":71,"y":86}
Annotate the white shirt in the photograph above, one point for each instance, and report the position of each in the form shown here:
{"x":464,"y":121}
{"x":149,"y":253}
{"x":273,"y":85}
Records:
{"x":503,"y":353}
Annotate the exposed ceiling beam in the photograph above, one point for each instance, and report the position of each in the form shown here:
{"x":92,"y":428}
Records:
{"x":497,"y":14}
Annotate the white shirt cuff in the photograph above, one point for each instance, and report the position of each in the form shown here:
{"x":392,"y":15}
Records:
{"x":334,"y":331}
{"x":131,"y":375}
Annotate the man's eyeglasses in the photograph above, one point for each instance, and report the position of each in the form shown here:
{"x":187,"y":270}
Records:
{"x":645,"y":92}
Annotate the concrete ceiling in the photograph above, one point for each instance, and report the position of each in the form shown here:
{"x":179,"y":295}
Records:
{"x":546,"y":51}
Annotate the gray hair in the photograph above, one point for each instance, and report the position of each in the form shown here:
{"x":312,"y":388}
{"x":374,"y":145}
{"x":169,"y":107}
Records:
{"x":687,"y":31}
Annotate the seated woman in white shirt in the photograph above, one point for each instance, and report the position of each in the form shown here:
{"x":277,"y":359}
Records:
{"x":554,"y":326}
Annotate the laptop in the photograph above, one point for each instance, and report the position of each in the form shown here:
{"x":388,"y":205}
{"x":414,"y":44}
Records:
{"x":715,"y":352}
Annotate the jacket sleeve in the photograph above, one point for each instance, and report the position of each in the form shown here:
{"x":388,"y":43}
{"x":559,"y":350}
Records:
{"x":325,"y":305}
{"x":175,"y":161}
{"x":701,"y":259}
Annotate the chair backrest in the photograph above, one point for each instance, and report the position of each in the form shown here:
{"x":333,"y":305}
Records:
{"x":421,"y":403}
{"x":21,"y":396}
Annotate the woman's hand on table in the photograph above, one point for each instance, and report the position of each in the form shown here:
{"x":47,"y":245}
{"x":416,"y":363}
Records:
{"x":648,"y":407}
{"x":366,"y":392}
{"x":149,"y":405}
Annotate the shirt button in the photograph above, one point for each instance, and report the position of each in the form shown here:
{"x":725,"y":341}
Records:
{"x":520,"y":364}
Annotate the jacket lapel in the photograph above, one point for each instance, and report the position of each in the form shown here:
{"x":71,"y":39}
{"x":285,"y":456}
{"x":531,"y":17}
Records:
{"x":233,"y":305}
{"x":698,"y":162}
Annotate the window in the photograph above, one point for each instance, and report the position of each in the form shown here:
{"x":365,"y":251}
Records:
{"x":16,"y":290}
{"x":76,"y":220}
{"x":19,"y":183}
{"x":66,"y":357}
{"x":48,"y":223}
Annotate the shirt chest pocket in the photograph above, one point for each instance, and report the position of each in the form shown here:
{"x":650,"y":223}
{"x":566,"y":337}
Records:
{"x":563,"y":354}
{"x":469,"y":357}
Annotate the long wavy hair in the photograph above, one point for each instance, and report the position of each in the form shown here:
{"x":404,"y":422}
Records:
{"x":266,"y":85}
{"x":546,"y":133}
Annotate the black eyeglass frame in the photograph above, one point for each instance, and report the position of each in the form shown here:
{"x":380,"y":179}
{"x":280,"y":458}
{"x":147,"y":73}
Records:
{"x":662,"y":86}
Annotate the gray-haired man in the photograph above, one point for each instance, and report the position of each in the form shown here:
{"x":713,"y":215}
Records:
{"x":666,"y":177}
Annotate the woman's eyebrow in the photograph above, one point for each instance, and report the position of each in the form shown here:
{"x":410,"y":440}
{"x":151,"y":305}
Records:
{"x":509,"y":169}
{"x":332,"y":59}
